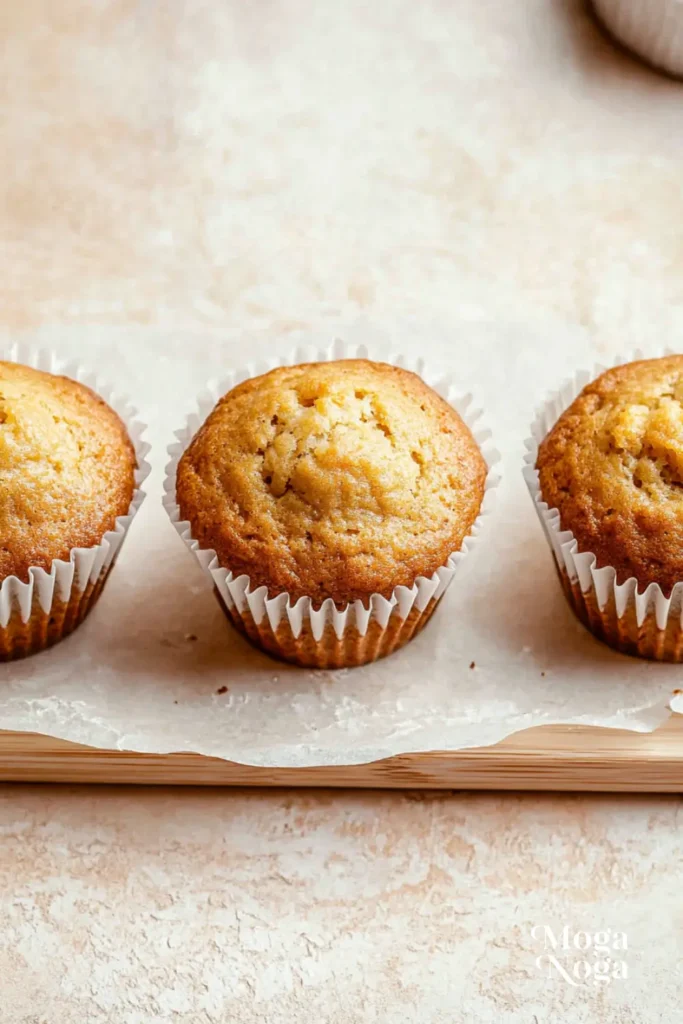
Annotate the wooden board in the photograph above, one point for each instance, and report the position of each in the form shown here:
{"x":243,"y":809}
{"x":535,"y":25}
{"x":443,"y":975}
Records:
{"x":554,"y":757}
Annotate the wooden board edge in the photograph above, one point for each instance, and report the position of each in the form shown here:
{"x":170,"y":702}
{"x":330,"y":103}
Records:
{"x":544,"y":758}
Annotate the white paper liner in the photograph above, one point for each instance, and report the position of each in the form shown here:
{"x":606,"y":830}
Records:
{"x":85,"y":565}
{"x":651,"y":28}
{"x":581,"y":566}
{"x":236,"y":591}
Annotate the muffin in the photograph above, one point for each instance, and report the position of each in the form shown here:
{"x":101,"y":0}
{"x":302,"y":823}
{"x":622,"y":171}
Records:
{"x":612,"y":468}
{"x":67,"y":472}
{"x":330,"y":485}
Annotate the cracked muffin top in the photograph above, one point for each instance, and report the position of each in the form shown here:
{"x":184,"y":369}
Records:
{"x":337,"y":479}
{"x":613,"y":467}
{"x":66,"y":468}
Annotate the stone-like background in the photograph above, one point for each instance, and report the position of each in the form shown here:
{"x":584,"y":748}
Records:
{"x":279,"y":163}
{"x":141,"y":906}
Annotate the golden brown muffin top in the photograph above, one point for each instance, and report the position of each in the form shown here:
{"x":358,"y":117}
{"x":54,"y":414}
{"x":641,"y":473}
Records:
{"x":613,"y":467}
{"x":337,"y":479}
{"x":66,"y":468}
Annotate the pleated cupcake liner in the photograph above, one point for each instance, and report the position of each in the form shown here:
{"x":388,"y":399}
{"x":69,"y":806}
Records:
{"x":295,"y":630}
{"x":652,"y":29}
{"x":39,"y":613}
{"x":643,"y":623}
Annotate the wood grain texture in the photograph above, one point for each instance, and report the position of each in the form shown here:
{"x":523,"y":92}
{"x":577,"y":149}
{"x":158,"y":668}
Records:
{"x":549,"y":758}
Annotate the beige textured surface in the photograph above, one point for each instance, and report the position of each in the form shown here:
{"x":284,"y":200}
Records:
{"x":205,"y":906}
{"x":227,"y":163}
{"x":216,"y":162}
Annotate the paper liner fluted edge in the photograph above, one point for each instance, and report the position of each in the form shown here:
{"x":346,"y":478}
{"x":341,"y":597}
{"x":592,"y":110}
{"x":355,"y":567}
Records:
{"x":38,"y":613}
{"x":653,"y":29}
{"x":295,"y":630}
{"x":647,"y":623}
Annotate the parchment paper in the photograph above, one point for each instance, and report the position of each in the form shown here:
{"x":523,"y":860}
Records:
{"x":156,"y":667}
